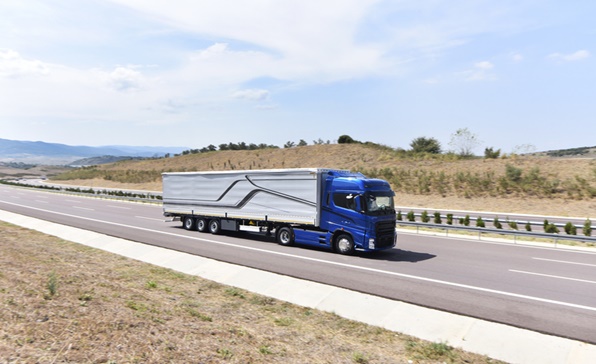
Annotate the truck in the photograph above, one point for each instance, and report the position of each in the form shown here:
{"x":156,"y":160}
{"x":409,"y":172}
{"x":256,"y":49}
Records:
{"x":337,"y":209}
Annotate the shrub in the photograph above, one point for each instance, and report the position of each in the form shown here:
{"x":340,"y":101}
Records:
{"x":426,"y":145}
{"x":467,"y":220}
{"x":424,"y":217}
{"x":551,"y":229}
{"x":480,"y":222}
{"x":528,"y":226}
{"x":399,"y":217}
{"x":512,"y":224}
{"x":570,"y":229}
{"x":52,"y":284}
{"x":513,"y":173}
{"x":587,"y":230}
{"x":489,"y":153}
{"x":411,"y":216}
{"x":449,"y":219}
{"x":496,"y":223}
{"x":438,"y":218}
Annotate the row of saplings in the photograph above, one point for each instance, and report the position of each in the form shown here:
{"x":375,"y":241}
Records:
{"x":570,"y":228}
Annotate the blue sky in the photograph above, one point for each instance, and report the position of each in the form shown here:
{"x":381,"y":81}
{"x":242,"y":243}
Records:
{"x":519,"y":74}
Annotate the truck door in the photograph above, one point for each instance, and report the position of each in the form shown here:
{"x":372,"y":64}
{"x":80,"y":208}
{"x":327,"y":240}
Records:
{"x":348,"y":215}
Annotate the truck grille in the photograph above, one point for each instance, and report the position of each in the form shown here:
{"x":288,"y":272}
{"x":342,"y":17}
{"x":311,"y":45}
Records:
{"x":385,"y":233}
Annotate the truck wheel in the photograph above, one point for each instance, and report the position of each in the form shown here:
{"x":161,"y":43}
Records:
{"x":344,"y":244}
{"x":188,"y":223}
{"x":202,"y":225}
{"x":285,"y":236}
{"x":214,"y":226}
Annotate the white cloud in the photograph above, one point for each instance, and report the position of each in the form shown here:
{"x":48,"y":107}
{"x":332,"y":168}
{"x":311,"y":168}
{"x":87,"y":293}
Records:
{"x":251,"y":94}
{"x":517,"y":57}
{"x":576,"y":56}
{"x":13,"y":65}
{"x":126,"y":79}
{"x":482,"y":71}
{"x":299,"y":40}
{"x":484,"y":65}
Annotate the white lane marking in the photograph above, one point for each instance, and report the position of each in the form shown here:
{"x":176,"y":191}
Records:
{"x":77,"y":207}
{"x":42,"y":201}
{"x":552,"y":276}
{"x":566,"y":262}
{"x":150,"y":218}
{"x":452,"y":284}
{"x":119,"y":207}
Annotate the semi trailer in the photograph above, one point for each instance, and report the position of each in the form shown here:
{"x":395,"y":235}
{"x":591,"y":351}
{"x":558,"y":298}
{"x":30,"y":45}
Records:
{"x":338,"y":209}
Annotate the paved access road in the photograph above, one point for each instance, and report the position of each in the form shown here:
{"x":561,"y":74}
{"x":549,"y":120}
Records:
{"x":548,"y":290}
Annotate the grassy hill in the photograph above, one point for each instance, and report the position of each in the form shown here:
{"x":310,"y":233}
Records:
{"x":523,"y":184}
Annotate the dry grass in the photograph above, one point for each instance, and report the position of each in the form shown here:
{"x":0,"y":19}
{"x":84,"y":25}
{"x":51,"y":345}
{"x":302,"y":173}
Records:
{"x":64,"y":302}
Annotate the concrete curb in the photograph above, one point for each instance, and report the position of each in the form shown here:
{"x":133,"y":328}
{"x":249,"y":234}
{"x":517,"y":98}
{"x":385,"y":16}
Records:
{"x":497,"y":341}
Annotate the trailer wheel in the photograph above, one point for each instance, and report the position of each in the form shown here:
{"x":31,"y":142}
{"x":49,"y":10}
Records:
{"x":188,"y":223}
{"x":285,"y":236}
{"x":202,"y":225}
{"x":214,"y":226}
{"x":344,"y":244}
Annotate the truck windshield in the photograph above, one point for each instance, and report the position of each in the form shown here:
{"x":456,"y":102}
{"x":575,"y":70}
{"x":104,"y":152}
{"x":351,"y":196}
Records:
{"x":379,"y":203}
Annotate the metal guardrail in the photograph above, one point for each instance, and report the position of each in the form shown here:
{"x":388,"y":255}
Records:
{"x":489,"y":221}
{"x":515,"y":233}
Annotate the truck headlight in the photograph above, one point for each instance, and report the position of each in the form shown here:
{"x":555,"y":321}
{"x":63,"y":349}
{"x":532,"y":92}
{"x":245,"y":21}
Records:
{"x":371,"y":243}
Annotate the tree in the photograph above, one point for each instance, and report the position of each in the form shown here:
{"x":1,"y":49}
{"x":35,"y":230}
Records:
{"x":345,"y":139}
{"x":289,"y":144}
{"x":426,"y":145}
{"x":489,"y":153}
{"x":302,"y":143}
{"x":464,"y":142}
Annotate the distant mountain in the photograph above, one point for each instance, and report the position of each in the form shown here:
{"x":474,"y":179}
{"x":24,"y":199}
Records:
{"x":53,"y":153}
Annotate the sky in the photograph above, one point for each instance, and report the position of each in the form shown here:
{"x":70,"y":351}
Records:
{"x":520,"y":75}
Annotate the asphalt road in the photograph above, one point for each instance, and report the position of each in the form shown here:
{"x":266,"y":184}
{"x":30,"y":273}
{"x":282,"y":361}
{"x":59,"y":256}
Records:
{"x":547,"y":290}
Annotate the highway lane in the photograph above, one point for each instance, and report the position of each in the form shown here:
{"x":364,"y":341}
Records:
{"x":547,"y":290}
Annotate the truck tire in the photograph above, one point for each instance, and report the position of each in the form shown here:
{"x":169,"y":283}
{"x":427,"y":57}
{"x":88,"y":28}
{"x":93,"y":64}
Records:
{"x":285,"y":236}
{"x":188,"y":223}
{"x":344,"y":244}
{"x":214,"y":226}
{"x":202,"y":225}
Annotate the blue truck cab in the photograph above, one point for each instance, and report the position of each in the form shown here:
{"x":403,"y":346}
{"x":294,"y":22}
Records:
{"x":356,"y":213}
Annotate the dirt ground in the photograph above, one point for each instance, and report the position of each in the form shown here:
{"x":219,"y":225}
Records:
{"x":63,"y":302}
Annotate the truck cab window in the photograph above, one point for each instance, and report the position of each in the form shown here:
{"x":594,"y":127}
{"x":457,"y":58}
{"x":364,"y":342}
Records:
{"x":379,"y":203}
{"x":345,"y":200}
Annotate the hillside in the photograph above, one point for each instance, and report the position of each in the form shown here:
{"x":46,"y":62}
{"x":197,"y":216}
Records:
{"x":528,"y":184}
